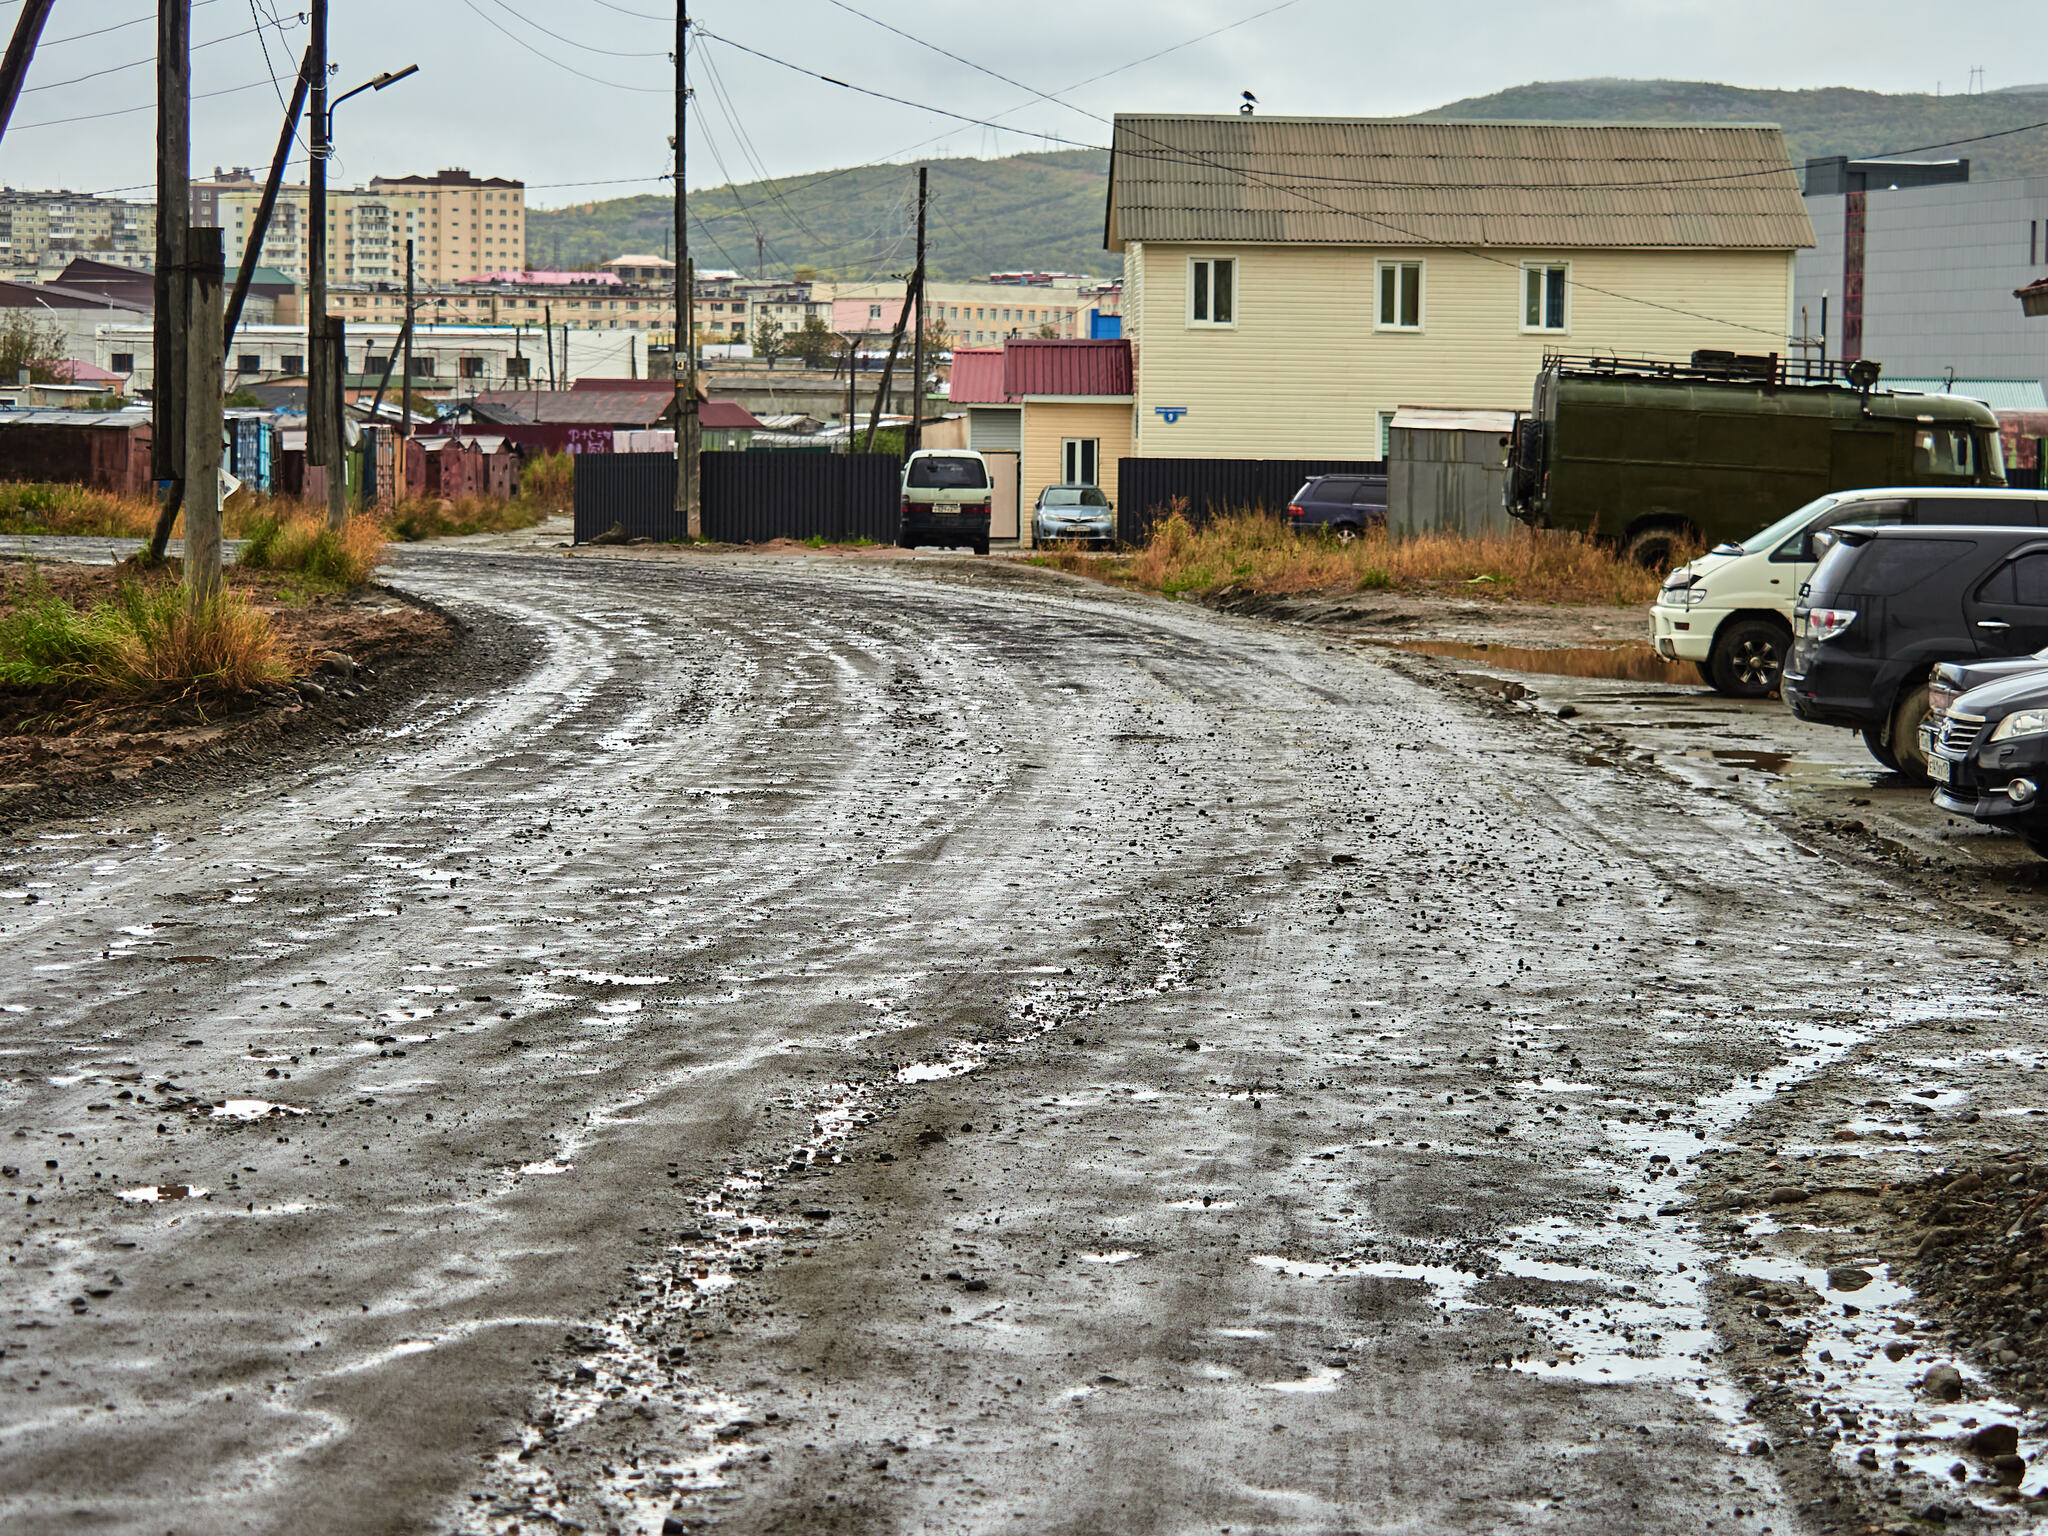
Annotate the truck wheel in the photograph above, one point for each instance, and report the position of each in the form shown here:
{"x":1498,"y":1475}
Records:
{"x":1654,"y":549}
{"x":2036,"y":839}
{"x":1905,"y":737}
{"x":1747,"y":657}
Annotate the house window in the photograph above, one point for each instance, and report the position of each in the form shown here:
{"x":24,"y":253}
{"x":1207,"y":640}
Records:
{"x":121,"y":362}
{"x":291,"y":362}
{"x":423,"y":367}
{"x":1077,"y":460}
{"x":1400,"y":296}
{"x":248,"y":362}
{"x":472,"y":367}
{"x":874,"y":311}
{"x":1544,"y":293}
{"x":515,"y":367}
{"x":1386,"y":434}
{"x":1212,"y":290}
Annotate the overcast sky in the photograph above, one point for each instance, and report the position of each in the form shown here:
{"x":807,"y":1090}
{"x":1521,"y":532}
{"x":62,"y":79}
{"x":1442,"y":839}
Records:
{"x":497,"y":94}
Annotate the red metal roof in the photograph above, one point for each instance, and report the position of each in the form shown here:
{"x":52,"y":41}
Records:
{"x":587,"y":384}
{"x":978,"y":377}
{"x":1066,"y":368}
{"x":726,"y":414}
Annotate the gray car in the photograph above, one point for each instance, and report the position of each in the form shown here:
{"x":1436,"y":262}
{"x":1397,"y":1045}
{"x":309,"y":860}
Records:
{"x":1079,"y":512}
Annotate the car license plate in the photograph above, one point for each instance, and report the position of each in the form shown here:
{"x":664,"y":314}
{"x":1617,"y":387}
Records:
{"x":1940,"y":769}
{"x":1930,"y":733}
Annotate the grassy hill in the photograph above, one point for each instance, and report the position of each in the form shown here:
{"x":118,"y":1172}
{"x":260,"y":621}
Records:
{"x":1044,"y":211}
{"x":1041,"y":211}
{"x":1832,"y":121}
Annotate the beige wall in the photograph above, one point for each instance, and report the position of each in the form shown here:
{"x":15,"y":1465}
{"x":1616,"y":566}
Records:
{"x":1048,"y":423}
{"x":461,"y":230}
{"x":1304,"y":373}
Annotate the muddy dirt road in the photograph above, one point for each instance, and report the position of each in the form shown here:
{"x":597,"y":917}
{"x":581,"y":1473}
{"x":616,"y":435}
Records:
{"x":784,"y":1047}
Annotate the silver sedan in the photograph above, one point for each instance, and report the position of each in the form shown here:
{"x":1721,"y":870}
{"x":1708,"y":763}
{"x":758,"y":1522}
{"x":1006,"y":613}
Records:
{"x":1077,"y":512}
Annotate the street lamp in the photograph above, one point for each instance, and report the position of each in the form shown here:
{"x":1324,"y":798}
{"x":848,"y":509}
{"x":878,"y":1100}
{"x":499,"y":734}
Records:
{"x":389,"y":77}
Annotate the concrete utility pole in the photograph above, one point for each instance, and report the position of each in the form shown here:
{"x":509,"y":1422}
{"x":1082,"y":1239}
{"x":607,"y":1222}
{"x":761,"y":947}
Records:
{"x":28,"y":29}
{"x":914,"y":438}
{"x":173,"y":217}
{"x":547,"y":324}
{"x":259,"y":229}
{"x":852,"y":403}
{"x":205,"y":349}
{"x":684,"y":350}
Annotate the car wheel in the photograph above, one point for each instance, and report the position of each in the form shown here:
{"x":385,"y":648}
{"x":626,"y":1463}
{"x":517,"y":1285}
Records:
{"x":980,"y":546}
{"x":1905,"y":735}
{"x":1705,"y":671}
{"x":1654,"y":549}
{"x":1747,"y":657}
{"x":1873,"y":741}
{"x":1345,"y":533}
{"x":2036,"y":839}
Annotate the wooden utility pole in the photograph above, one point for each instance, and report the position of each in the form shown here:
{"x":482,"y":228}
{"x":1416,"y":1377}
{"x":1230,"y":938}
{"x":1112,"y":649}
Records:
{"x":547,"y":324}
{"x":259,"y":229}
{"x":28,"y":28}
{"x":405,"y":379}
{"x":173,"y":218}
{"x":205,"y":352}
{"x":684,"y":350}
{"x":914,"y":438}
{"x":325,"y":442}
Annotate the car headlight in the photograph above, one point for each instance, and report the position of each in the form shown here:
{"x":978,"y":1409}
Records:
{"x":2021,"y":722}
{"x":1692,"y":597}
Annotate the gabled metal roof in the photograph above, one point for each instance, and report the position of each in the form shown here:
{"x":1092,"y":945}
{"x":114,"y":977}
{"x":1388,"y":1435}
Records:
{"x":1366,"y":181}
{"x":1047,"y":367}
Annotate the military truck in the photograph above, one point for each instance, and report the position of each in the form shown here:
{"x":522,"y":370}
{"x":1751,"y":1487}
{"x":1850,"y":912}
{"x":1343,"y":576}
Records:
{"x":1650,"y":454}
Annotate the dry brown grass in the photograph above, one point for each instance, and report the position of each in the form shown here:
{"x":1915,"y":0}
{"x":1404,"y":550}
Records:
{"x":45,"y":507}
{"x":443,"y":518}
{"x":1260,"y":553}
{"x":294,"y":538}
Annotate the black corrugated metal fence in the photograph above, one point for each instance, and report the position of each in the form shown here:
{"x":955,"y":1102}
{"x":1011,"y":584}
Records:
{"x":748,"y":498}
{"x":1146,"y":487}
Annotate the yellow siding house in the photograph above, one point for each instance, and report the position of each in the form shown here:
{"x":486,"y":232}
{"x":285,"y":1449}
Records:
{"x":1289,"y":283}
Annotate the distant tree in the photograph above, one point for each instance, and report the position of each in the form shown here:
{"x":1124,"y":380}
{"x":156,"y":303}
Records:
{"x":26,"y":342}
{"x":816,"y":343}
{"x":937,"y":338}
{"x":768,"y":341}
{"x":243,"y":398}
{"x":804,"y":275}
{"x":1048,"y":332}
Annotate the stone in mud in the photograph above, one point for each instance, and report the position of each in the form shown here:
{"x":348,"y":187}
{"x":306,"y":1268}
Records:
{"x":1944,"y":1384}
{"x":1994,"y":1441}
{"x":1967,"y":1184}
{"x":2009,"y":1470}
{"x":1787,"y":1194}
{"x":1848,"y":1278}
{"x":616,"y":534}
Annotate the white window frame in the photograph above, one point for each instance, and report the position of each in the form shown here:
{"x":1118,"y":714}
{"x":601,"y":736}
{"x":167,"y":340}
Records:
{"x":1522,"y":298}
{"x":1209,"y":323}
{"x":1072,"y":450}
{"x":1379,"y":279}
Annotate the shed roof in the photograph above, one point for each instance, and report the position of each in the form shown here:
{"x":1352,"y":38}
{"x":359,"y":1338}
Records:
{"x":1369,"y":181}
{"x":727,"y":415}
{"x":978,"y":377}
{"x":1034,"y":367}
{"x":587,"y":408}
{"x":1436,"y":418}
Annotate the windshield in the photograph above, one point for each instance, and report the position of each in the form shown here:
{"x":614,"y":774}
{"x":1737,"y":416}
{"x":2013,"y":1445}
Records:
{"x":1786,"y":526}
{"x":947,"y":474}
{"x":1074,"y":496}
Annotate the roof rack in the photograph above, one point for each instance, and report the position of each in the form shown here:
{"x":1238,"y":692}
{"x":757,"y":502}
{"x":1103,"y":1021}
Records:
{"x":1712,"y":366}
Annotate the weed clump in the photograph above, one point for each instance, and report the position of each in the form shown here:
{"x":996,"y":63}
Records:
{"x":143,"y":642}
{"x":299,"y":541}
{"x":417,"y":518}
{"x":45,"y":507}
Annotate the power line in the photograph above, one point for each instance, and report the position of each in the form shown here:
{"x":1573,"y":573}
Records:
{"x":52,"y":42}
{"x":617,"y":85}
{"x":616,"y":53}
{"x":607,"y":4}
{"x":114,"y":69}
{"x":147,"y":106}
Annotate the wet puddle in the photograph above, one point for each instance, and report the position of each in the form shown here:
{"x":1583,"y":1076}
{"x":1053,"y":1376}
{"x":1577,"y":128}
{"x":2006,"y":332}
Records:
{"x":1631,"y":662}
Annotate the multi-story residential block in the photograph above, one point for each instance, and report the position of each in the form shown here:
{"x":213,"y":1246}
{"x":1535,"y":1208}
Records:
{"x":971,"y":313}
{"x":41,"y":229}
{"x":461,"y":225}
{"x":366,"y":232}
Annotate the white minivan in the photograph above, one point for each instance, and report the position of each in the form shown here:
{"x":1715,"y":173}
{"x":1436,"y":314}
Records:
{"x":1730,"y":611}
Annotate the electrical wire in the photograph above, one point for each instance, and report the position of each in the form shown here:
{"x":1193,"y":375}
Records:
{"x":614,"y":53}
{"x":52,"y":42}
{"x":147,"y":106}
{"x":617,"y":85}
{"x":113,"y":69}
{"x":607,"y":4}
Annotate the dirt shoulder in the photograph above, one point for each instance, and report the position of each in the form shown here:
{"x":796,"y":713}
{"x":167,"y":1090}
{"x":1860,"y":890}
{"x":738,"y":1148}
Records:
{"x":351,"y":654}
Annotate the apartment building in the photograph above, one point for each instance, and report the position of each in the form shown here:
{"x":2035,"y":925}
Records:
{"x":366,"y":231}
{"x":971,"y":313}
{"x":461,"y":225}
{"x":49,"y":228}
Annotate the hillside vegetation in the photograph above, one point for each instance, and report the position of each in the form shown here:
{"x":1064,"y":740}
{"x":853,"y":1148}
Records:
{"x":1045,"y":210}
{"x":1833,"y":121}
{"x":1041,"y":211}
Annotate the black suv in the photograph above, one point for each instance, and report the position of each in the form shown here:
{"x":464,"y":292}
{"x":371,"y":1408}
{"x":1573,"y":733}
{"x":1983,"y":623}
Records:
{"x":1343,"y":505}
{"x":1987,"y":752}
{"x":1887,"y":604}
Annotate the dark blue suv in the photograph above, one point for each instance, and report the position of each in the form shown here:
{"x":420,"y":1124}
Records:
{"x":1343,"y":506}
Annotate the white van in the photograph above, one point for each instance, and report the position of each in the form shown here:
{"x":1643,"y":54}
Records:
{"x":947,"y":496}
{"x":1730,"y":611}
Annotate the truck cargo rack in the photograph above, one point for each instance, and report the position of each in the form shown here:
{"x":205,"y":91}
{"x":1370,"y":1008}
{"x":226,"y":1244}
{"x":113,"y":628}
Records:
{"x":1716,"y":367}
